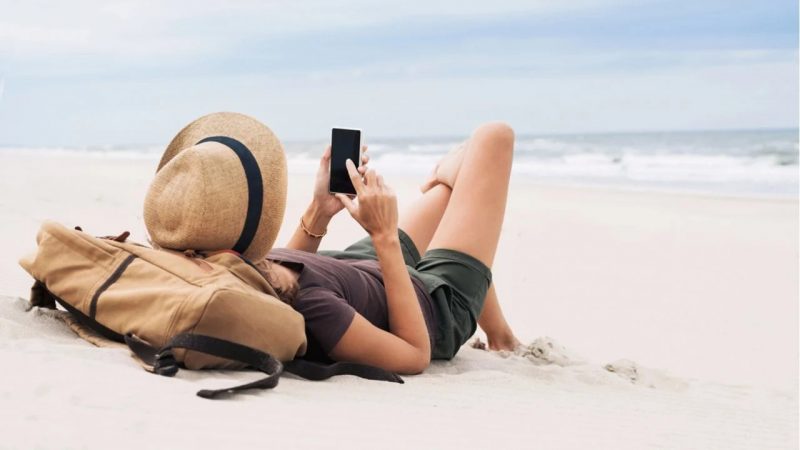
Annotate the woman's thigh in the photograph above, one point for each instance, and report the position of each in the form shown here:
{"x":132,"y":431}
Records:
{"x":472,"y":221}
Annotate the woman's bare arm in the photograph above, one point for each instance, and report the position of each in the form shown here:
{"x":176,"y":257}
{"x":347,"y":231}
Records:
{"x":322,"y":208}
{"x":405,"y":315}
{"x":407,"y":348}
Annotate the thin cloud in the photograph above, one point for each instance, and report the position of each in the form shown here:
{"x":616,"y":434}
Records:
{"x":159,"y":27}
{"x":113,"y":72}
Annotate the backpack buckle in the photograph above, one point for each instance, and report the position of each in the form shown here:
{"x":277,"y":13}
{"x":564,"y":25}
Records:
{"x":165,"y":363}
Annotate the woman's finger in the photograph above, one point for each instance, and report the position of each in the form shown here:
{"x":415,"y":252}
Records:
{"x":362,"y":168}
{"x":371,"y":178}
{"x":326,"y":158}
{"x":355,"y":177}
{"x":380,"y":181}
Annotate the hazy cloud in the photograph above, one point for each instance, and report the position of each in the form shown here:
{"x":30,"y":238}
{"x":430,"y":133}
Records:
{"x":134,"y":71}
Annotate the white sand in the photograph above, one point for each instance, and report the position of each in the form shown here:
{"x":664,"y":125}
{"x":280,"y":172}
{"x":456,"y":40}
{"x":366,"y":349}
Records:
{"x":704,"y":289}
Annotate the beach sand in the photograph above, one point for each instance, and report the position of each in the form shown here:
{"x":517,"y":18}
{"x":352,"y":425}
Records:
{"x":698,"y":293}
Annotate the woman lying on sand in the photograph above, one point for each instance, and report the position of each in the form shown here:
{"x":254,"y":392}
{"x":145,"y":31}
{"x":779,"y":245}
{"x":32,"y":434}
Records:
{"x":379,"y":302}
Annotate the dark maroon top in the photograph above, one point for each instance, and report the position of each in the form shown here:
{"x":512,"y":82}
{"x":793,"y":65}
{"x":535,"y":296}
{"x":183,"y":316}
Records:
{"x":332,"y":290}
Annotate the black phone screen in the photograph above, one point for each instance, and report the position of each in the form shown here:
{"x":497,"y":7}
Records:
{"x":345,"y":144}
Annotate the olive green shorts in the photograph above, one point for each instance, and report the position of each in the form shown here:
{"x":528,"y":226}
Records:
{"x":456,"y":282}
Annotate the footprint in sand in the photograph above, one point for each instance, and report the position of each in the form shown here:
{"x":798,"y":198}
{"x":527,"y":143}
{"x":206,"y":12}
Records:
{"x":642,"y":376}
{"x":546,"y":351}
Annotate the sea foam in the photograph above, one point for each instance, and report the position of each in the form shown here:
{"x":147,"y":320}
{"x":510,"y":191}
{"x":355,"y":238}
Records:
{"x":759,"y":163}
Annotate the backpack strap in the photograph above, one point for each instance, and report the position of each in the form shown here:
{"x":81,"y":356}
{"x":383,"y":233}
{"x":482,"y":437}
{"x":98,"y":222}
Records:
{"x":164,"y":363}
{"x":315,"y":371}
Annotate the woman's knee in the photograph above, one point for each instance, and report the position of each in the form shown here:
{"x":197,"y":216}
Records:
{"x":498,"y":136}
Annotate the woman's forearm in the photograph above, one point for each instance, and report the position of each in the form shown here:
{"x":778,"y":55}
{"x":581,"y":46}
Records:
{"x":405,"y":315}
{"x":316,"y":223}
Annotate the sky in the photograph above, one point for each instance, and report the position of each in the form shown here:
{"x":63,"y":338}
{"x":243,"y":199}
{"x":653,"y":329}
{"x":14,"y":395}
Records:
{"x":88,"y":73}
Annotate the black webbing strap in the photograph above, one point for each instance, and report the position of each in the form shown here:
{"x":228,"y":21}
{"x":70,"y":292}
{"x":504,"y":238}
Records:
{"x":316,"y":371}
{"x":255,"y":189}
{"x":163,"y":361}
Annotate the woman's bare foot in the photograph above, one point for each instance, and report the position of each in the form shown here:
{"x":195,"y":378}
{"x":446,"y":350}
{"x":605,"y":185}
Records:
{"x":446,"y":170}
{"x":505,"y":341}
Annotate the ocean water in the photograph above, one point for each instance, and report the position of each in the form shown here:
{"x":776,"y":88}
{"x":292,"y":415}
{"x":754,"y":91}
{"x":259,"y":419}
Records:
{"x":761,"y":163}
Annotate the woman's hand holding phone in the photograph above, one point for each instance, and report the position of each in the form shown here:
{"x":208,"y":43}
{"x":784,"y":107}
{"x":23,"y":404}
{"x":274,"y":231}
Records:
{"x":326,"y":204}
{"x":376,"y":209}
{"x":314,"y":221}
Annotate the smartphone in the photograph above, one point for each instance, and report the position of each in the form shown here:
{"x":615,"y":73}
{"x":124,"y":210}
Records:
{"x":345,"y":144}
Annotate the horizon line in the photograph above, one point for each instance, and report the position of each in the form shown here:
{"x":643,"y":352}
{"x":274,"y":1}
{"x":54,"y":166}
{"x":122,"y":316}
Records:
{"x":443,"y":137}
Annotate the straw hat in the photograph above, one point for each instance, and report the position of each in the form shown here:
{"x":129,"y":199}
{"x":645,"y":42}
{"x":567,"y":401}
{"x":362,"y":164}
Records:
{"x":220,"y":185}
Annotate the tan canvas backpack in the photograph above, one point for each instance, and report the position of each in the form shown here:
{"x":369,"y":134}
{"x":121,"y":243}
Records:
{"x":171,"y":309}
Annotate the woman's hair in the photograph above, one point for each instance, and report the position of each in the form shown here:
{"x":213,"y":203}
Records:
{"x":285,"y":294}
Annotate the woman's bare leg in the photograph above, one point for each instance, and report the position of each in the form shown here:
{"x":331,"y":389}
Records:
{"x":474,"y":215}
{"x":493,"y":323}
{"x":423,"y":219}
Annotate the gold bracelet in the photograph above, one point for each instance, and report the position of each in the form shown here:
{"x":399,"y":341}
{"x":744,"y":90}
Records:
{"x":317,"y":236}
